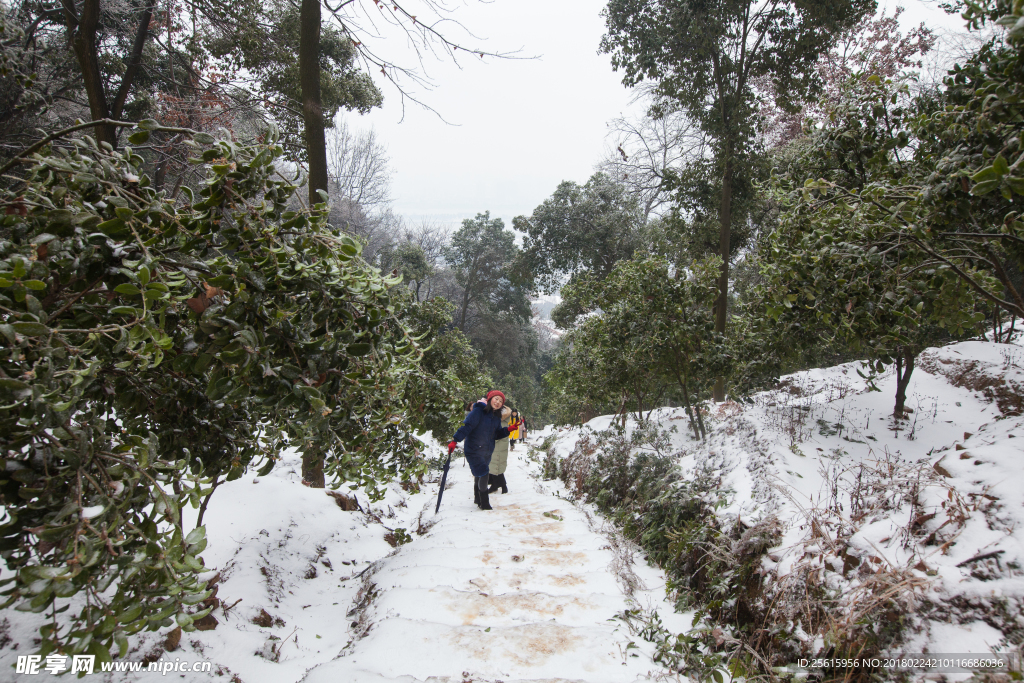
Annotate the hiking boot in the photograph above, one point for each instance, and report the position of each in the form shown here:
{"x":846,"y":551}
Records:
{"x":481,"y":485}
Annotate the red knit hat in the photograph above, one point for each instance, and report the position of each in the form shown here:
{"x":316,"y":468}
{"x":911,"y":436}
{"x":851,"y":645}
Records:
{"x":494,"y":392}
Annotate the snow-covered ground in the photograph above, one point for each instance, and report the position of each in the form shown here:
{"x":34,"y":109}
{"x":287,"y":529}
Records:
{"x":530,"y":591}
{"x":310,"y":592}
{"x":526,"y":592}
{"x":934,"y":502}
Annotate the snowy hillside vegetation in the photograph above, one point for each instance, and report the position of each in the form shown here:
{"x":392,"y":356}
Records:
{"x":313,"y":585}
{"x":812,"y":523}
{"x":809,"y":523}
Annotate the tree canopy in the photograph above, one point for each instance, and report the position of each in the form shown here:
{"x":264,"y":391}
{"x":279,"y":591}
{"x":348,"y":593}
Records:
{"x":714,"y":58}
{"x":586,"y":228}
{"x":151,"y":350}
{"x":637,"y":332}
{"x":481,"y":254}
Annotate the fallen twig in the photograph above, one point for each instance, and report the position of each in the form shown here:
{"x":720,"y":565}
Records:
{"x":985,"y":556}
{"x":231,"y":606}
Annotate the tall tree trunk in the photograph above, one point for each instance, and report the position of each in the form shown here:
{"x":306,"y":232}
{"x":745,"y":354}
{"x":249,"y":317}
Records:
{"x":83,"y":40}
{"x":692,"y":414}
{"x":725,"y":216}
{"x":83,"y":29}
{"x":313,"y":467}
{"x":312,"y":111}
{"x":700,"y":422}
{"x":465,"y":308}
{"x":904,"y":368}
{"x":160,"y":174}
{"x":217,"y":481}
{"x":467,"y":293}
{"x":134,"y":61}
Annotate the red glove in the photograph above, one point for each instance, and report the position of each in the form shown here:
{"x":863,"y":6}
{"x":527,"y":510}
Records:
{"x":451,"y":447}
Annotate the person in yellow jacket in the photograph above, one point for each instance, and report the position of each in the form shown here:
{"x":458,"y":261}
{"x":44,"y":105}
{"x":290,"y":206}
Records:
{"x":513,"y":429}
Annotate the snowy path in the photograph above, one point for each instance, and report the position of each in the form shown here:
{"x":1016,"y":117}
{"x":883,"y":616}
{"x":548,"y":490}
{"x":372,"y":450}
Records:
{"x":507,"y":595}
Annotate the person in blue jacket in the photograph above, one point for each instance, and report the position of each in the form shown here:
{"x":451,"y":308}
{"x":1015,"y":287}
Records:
{"x":480,"y":430}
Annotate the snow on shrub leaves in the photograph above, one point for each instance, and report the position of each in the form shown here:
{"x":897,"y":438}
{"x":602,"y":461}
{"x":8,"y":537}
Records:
{"x":144,"y":342}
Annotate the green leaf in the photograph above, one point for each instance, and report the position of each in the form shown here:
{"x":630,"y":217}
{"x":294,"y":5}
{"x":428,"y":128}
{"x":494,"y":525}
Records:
{"x":125,"y":310}
{"x":127,"y":289}
{"x":122,"y":342}
{"x":31,"y":329}
{"x":985,"y":174}
{"x":359,"y":349}
{"x":148,"y":124}
{"x":1000,"y":166}
{"x":138,"y":138}
{"x":196,"y":597}
{"x":34,"y":284}
{"x":984,"y":187}
{"x":130,"y":614}
{"x":1016,"y":184}
{"x":114,"y":227}
{"x":202,"y":362}
{"x":31,"y":606}
{"x":196,"y":535}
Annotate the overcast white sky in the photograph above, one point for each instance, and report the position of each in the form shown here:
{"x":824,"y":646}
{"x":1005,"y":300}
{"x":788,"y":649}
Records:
{"x":516,"y":127}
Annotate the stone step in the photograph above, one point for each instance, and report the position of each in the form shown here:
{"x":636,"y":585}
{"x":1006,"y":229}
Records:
{"x":542,"y":559}
{"x":479,"y":579}
{"x":533,"y":651}
{"x":462,"y":608}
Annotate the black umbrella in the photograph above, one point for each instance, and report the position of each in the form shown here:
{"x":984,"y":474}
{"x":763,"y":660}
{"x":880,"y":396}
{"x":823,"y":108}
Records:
{"x":444,"y":478}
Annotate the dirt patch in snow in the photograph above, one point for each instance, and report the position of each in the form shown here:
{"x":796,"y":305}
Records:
{"x":546,"y":543}
{"x":552,"y":558}
{"x":472,"y":607}
{"x":527,"y":646}
{"x":568,"y":580}
{"x":987,"y":379}
{"x":519,"y":578}
{"x":530,"y":520}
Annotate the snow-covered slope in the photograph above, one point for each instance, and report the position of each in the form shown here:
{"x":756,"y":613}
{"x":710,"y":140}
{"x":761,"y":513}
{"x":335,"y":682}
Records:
{"x":933,"y":503}
{"x":530,"y":591}
{"x":526,"y":592}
